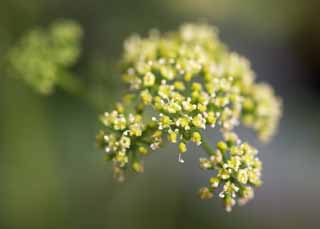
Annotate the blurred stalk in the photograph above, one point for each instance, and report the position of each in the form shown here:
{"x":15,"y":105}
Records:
{"x":72,"y":84}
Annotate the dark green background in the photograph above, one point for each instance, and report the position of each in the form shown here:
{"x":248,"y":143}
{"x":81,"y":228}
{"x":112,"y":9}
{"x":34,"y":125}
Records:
{"x":51,"y":174}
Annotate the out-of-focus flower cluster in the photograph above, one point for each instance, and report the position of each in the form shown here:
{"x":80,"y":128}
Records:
{"x":181,"y":83}
{"x":261,"y":111}
{"x":42,"y":57}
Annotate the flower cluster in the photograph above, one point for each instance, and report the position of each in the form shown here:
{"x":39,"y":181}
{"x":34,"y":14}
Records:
{"x":180,"y":84}
{"x":42,"y":57}
{"x":261,"y":111}
{"x":236,"y":168}
{"x":126,"y":134}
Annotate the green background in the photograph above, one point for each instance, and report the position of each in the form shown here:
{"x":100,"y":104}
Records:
{"x":52,"y":175}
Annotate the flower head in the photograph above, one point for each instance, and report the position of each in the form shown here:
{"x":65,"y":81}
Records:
{"x":42,"y":57}
{"x":189,"y":81}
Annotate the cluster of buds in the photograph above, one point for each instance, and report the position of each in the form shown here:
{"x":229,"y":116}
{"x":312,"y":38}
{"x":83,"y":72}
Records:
{"x":122,"y":135}
{"x":237,"y":169}
{"x":180,"y":84}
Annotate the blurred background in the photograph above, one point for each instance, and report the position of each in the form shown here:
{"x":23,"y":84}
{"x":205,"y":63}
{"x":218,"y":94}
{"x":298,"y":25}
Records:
{"x":51,"y":174}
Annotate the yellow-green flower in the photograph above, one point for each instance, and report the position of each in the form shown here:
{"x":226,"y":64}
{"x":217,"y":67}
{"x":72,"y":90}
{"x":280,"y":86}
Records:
{"x":199,"y":121}
{"x":180,"y":83}
{"x":182,"y":147}
{"x":146,"y":97}
{"x":214,"y":182}
{"x":196,"y":138}
{"x":149,"y":79}
{"x":243,"y":176}
{"x":125,"y":142}
{"x":205,"y":193}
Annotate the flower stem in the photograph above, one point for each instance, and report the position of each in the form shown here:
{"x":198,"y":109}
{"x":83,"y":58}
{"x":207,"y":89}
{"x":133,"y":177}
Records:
{"x":206,"y":146}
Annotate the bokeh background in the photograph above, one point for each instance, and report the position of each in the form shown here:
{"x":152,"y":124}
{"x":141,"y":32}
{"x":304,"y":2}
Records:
{"x":51,"y":174}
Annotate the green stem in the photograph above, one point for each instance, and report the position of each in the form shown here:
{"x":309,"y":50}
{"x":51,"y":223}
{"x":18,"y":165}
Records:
{"x":71,"y":84}
{"x":206,"y":146}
